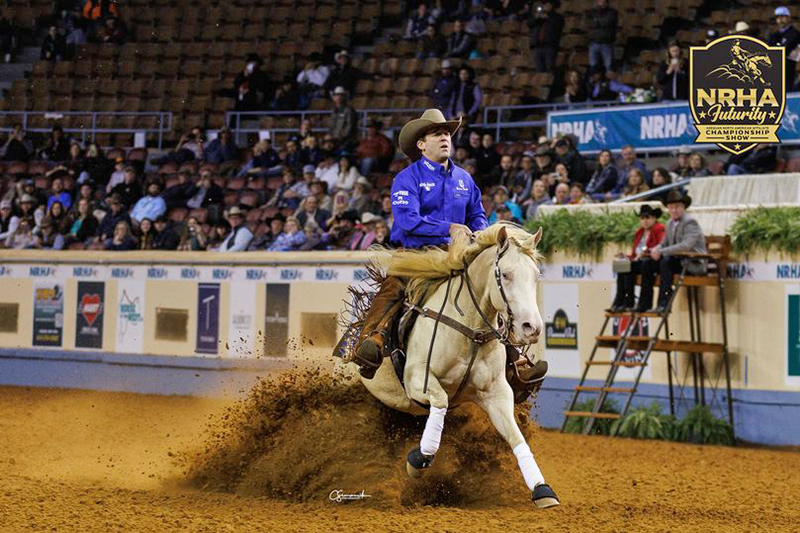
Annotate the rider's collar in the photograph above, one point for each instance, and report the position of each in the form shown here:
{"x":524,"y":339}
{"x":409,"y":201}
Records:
{"x":436,"y":167}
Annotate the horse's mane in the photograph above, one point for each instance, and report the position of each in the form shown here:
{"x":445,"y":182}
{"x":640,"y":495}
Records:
{"x":428,"y":267}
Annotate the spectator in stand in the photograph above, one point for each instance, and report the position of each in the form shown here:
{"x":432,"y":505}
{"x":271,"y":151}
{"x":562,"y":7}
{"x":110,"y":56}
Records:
{"x":180,"y":193}
{"x":697,"y":166}
{"x":647,"y":238}
{"x":604,"y":180}
{"x":503,"y":174}
{"x":602,"y":34}
{"x":574,"y":87}
{"x":54,"y":47}
{"x":546,"y":26}
{"x":8,"y":220}
{"x":218,"y":233}
{"x":292,"y":157}
{"x":150,"y":206}
{"x":265,"y":161}
{"x":561,"y":196}
{"x":85,"y":191}
{"x":459,"y":43}
{"x":291,"y":239}
{"x":165,"y":238}
{"x":341,"y":232}
{"x":319,"y":189}
{"x":239,"y":238}
{"x":343,"y":74}
{"x":328,"y":171}
{"x":251,"y":87}
{"x":146,"y":235}
{"x":281,"y":198}
{"x":603,"y":88}
{"x":310,"y":210}
{"x":96,"y":164}
{"x":58,"y":194}
{"x":361,"y":199}
{"x":208,"y":194}
{"x":17,"y":147}
{"x":189,"y":148}
{"x":112,"y":32}
{"x":116,"y":213}
{"x":122,"y":240}
{"x":23,"y":236}
{"x":375,"y":150}
{"x":57,"y":216}
{"x":576,"y":195}
{"x":673,"y":75}
{"x":344,"y":121}
{"x":760,"y":160}
{"x":418,"y":23}
{"x":568,"y":155}
{"x":129,"y":191}
{"x":661,"y":176}
{"x":682,"y":234}
{"x":57,"y":147}
{"x":82,"y":224}
{"x":195,"y":240}
{"x":538,"y":197}
{"x":348,"y":175}
{"x":681,"y":168}
{"x":74,"y":162}
{"x":286,"y":96}
{"x":787,"y":37}
{"x":118,"y":176}
{"x":299,"y":189}
{"x":310,"y":151}
{"x":340,"y":202}
{"x":28,"y":209}
{"x":636,"y":183}
{"x":544,"y":169}
{"x":266,"y":239}
{"x":386,"y":209}
{"x":629,"y":161}
{"x":364,"y":236}
{"x":311,"y":80}
{"x":486,"y":157}
{"x":222,"y":150}
{"x":523,"y":180}
{"x":467,"y":96}
{"x":444,"y":86}
{"x":500,"y":198}
{"x":381,"y":233}
{"x":432,"y":44}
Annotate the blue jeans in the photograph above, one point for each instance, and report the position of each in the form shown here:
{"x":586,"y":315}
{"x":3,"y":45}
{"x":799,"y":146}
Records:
{"x":598,"y":51}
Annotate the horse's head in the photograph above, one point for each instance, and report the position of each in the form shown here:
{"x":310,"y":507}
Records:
{"x":514,"y":293}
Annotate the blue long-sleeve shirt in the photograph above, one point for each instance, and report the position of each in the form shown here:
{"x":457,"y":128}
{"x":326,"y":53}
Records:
{"x":149,"y":207}
{"x":427,"y":198}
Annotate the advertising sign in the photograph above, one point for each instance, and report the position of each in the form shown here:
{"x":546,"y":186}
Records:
{"x":561,"y":329}
{"x":130,"y":316}
{"x":242,"y":320}
{"x":276,"y":327}
{"x":89,"y":320}
{"x":793,"y":336}
{"x":207,"y":318}
{"x":48,"y":313}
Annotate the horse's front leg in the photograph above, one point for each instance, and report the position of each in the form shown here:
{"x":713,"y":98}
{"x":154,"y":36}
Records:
{"x":422,"y":457}
{"x":498,"y":402}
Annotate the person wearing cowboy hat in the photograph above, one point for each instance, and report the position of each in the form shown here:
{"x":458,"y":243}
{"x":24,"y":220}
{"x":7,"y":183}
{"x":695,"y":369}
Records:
{"x":683,"y":234}
{"x":432,"y":200}
{"x":239,"y":237}
{"x":344,"y":123}
{"x":788,"y":37}
{"x":647,"y":237}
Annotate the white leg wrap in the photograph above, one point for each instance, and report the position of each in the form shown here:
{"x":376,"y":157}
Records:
{"x":432,"y":436}
{"x":527,"y":464}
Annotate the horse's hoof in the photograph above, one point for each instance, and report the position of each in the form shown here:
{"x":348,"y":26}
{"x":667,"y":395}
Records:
{"x":544,"y":497}
{"x":416,"y":462}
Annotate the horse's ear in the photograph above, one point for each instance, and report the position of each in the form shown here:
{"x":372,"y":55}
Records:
{"x":537,"y":237}
{"x":502,"y":238}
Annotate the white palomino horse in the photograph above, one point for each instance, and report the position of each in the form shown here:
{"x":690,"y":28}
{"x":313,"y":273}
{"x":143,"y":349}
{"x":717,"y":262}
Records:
{"x":502,"y":264}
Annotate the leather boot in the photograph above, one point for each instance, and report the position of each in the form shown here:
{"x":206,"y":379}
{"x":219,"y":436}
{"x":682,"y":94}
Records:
{"x":385,"y":305}
{"x":525,"y":379}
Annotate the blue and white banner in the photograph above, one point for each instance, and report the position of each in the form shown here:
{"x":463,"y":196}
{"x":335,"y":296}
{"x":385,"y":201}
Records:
{"x":651,"y":127}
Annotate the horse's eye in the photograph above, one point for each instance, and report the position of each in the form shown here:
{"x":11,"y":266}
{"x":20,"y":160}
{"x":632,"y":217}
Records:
{"x":506,"y":276}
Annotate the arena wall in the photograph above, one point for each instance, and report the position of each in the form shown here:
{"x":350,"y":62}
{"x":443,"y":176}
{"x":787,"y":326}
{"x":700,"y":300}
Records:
{"x":208,"y":324}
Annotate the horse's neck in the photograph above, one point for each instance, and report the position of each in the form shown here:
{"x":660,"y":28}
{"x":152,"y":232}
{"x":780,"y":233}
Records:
{"x":480,"y":277}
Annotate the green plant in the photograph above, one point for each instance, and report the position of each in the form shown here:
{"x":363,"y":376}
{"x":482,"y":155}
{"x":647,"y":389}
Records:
{"x":602,"y":426}
{"x":767,"y":228}
{"x":584,"y":232}
{"x":700,"y":426}
{"x":647,"y":423}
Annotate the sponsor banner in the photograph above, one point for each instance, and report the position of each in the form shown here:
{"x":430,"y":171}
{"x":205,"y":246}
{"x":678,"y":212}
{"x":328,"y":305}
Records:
{"x":640,"y":329}
{"x":48,"y":313}
{"x":89,"y":320}
{"x":43,"y":271}
{"x":793,"y":336}
{"x":241,"y":327}
{"x":276,"y":320}
{"x":207,"y":318}
{"x":130,"y":316}
{"x":649,"y":127}
{"x":577,"y":272}
{"x":561,"y":329}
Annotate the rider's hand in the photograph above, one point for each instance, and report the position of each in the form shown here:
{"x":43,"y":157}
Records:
{"x":456,"y":228}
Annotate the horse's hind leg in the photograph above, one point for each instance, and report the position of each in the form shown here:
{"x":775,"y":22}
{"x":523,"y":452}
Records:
{"x":499,"y":405}
{"x":422,"y":457}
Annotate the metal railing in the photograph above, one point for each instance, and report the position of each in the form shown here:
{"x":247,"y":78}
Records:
{"x":646,"y":194}
{"x":494,"y":117}
{"x":90,"y":128}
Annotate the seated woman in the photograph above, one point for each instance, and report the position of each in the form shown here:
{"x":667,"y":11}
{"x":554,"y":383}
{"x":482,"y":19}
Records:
{"x":648,"y":236}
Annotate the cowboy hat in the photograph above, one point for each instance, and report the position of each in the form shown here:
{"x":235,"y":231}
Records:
{"x":647,"y":211}
{"x":417,"y":128}
{"x":368,"y":217}
{"x":363,"y":181}
{"x":676,"y":197}
{"x":235,"y":211}
{"x":339,"y":90}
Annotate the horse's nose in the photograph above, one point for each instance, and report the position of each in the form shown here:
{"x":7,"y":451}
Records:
{"x":529,"y":330}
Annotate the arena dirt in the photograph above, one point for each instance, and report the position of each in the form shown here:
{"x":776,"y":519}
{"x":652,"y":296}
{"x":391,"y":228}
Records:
{"x":92,"y":461}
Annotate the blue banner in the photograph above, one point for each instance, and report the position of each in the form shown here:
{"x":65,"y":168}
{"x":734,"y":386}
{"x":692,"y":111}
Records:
{"x":207,"y":318}
{"x":649,"y":128}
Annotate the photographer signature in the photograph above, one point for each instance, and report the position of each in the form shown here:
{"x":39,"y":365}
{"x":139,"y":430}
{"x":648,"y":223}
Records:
{"x":339,"y":496}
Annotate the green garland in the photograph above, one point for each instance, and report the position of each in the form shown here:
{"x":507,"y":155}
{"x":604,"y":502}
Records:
{"x":586,"y":233}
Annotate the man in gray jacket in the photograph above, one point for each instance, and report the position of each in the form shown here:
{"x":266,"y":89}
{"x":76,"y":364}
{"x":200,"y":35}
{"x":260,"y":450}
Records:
{"x":683,"y":234}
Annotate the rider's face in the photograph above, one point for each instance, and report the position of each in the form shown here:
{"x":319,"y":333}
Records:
{"x":436,"y":144}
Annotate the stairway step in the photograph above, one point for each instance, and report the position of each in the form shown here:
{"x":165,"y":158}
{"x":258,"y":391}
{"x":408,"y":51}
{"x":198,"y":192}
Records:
{"x":652,"y":314}
{"x":601,"y":389}
{"x":590,"y":414}
{"x":689,"y":346}
{"x":617,"y":363}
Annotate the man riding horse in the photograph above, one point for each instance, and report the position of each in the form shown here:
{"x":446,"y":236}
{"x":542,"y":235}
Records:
{"x":433,"y":200}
